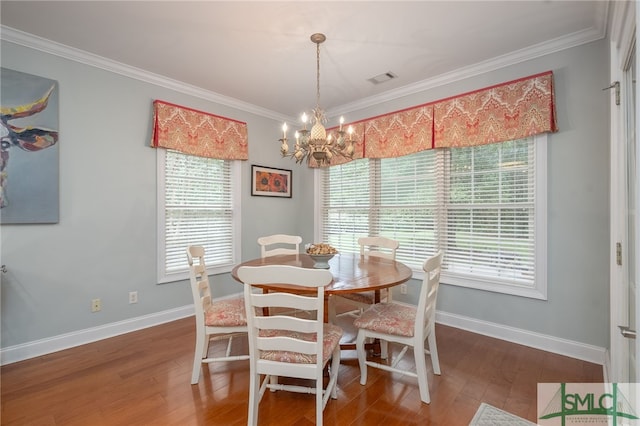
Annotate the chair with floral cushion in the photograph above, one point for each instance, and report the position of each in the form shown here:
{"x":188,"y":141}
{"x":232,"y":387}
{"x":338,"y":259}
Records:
{"x":282,"y":345}
{"x":408,"y":325}
{"x":272,"y":245}
{"x":215,"y":319}
{"x":369,"y":246}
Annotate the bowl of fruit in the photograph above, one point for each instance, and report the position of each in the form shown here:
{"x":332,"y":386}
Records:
{"x":321,"y":254}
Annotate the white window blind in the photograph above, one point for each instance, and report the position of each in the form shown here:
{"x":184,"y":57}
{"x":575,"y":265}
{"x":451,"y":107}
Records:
{"x":196,"y":208}
{"x":484,"y":206}
{"x":490,"y":212}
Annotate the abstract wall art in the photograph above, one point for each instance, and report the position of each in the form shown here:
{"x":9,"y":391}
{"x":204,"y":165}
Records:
{"x":270,"y":182}
{"x":29,"y":164}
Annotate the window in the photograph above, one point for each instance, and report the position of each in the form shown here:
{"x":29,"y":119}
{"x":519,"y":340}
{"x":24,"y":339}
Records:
{"x":196,"y":206}
{"x":485,"y":206}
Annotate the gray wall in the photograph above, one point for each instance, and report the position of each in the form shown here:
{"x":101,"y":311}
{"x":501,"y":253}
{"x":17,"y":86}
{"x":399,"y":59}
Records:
{"x":105,"y":243}
{"x":578,"y":202}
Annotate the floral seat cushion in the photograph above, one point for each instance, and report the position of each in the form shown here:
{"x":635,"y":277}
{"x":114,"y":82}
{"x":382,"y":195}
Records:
{"x":332,"y":335}
{"x":226,"y":313}
{"x":388,"y":318}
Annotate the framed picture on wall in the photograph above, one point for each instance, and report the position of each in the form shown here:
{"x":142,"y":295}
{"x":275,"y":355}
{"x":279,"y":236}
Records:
{"x":29,"y":178}
{"x":270,"y":182}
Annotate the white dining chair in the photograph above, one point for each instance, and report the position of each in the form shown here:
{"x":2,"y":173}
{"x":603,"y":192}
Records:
{"x":369,"y":246}
{"x":408,"y":325}
{"x":215,"y":319}
{"x":272,"y":245}
{"x":283,"y":345}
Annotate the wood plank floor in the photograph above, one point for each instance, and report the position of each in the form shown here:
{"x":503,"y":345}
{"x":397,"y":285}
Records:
{"x":142,"y":378}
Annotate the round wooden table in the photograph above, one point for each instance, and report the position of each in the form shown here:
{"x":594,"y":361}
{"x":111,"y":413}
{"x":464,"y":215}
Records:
{"x":351,"y":272}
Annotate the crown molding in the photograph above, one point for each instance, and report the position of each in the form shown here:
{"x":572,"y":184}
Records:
{"x":518,"y":56}
{"x":535,"y":51}
{"x":47,"y":46}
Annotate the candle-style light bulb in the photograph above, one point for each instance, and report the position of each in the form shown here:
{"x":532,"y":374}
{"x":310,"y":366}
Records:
{"x":284,"y":131}
{"x":341,"y":122}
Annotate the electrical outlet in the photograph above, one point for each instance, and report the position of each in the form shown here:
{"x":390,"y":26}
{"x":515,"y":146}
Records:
{"x":403,"y":289}
{"x":133,"y":297}
{"x":96,"y":305}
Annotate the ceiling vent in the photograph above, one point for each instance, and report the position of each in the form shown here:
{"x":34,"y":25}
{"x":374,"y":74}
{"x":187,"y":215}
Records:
{"x":382,"y":78}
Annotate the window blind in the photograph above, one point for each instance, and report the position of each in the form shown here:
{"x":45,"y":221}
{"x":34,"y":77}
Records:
{"x":490,"y":212}
{"x":407,"y":202}
{"x":478,"y":204}
{"x":198,"y":210}
{"x":346,"y":202}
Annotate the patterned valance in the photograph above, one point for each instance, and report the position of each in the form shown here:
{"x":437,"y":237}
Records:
{"x":198,"y":133}
{"x":401,"y":133}
{"x":508,"y":111}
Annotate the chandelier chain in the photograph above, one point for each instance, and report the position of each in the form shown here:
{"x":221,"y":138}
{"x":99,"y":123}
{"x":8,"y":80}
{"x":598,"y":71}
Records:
{"x":317,"y":75}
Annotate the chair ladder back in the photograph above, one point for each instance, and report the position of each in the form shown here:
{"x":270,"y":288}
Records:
{"x":285,"y":345}
{"x":379,"y":247}
{"x":284,"y":244}
{"x":199,"y":280}
{"x":429,"y":291}
{"x":205,"y":332}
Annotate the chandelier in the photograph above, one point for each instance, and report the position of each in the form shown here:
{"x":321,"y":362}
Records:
{"x":317,"y":143}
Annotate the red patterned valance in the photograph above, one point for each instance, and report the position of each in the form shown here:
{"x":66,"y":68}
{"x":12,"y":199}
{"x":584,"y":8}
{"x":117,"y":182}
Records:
{"x":198,"y":133}
{"x":508,"y":111}
{"x":400,"y":133}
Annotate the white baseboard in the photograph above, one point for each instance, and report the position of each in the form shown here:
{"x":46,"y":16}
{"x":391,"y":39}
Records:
{"x":49,"y":345}
{"x":569,"y":348}
{"x":553,"y":344}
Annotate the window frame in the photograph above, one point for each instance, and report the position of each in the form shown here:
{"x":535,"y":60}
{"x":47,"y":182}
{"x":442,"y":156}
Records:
{"x":183,"y":274}
{"x":539,"y":288}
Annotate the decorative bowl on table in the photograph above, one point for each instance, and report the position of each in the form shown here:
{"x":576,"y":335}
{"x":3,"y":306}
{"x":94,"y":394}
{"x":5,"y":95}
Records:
{"x":322,"y":260}
{"x":321,"y":254}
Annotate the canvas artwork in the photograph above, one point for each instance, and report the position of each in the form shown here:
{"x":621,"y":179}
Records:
{"x":29,"y":186}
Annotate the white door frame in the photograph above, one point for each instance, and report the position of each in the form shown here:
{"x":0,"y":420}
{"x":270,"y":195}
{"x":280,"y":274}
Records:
{"x":622,"y":38}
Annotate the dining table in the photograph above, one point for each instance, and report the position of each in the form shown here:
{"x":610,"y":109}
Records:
{"x":352,"y":273}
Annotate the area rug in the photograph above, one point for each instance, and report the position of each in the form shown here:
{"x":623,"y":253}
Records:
{"x":488,"y":415}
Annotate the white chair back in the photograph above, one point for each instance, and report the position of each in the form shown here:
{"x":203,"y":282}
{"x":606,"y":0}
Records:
{"x":378,"y":246}
{"x":215,"y":319}
{"x":390,"y":322}
{"x":279,"y":244}
{"x":281,"y":344}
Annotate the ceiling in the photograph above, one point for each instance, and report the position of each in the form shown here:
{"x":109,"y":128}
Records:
{"x":259,"y":53}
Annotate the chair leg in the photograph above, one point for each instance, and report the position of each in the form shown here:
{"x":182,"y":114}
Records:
{"x":421,"y":371}
{"x":319,"y":401}
{"x":199,"y":354}
{"x":335,"y":366}
{"x":362,"y":357}
{"x":254,"y":399}
{"x":384,"y":349}
{"x":433,"y":350}
{"x":331,"y":315}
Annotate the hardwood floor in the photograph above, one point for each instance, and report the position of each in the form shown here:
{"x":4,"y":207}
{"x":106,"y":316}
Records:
{"x":142,"y":378}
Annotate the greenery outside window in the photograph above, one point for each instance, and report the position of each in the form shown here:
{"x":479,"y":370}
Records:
{"x":196,"y":206}
{"x":484,"y":205}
